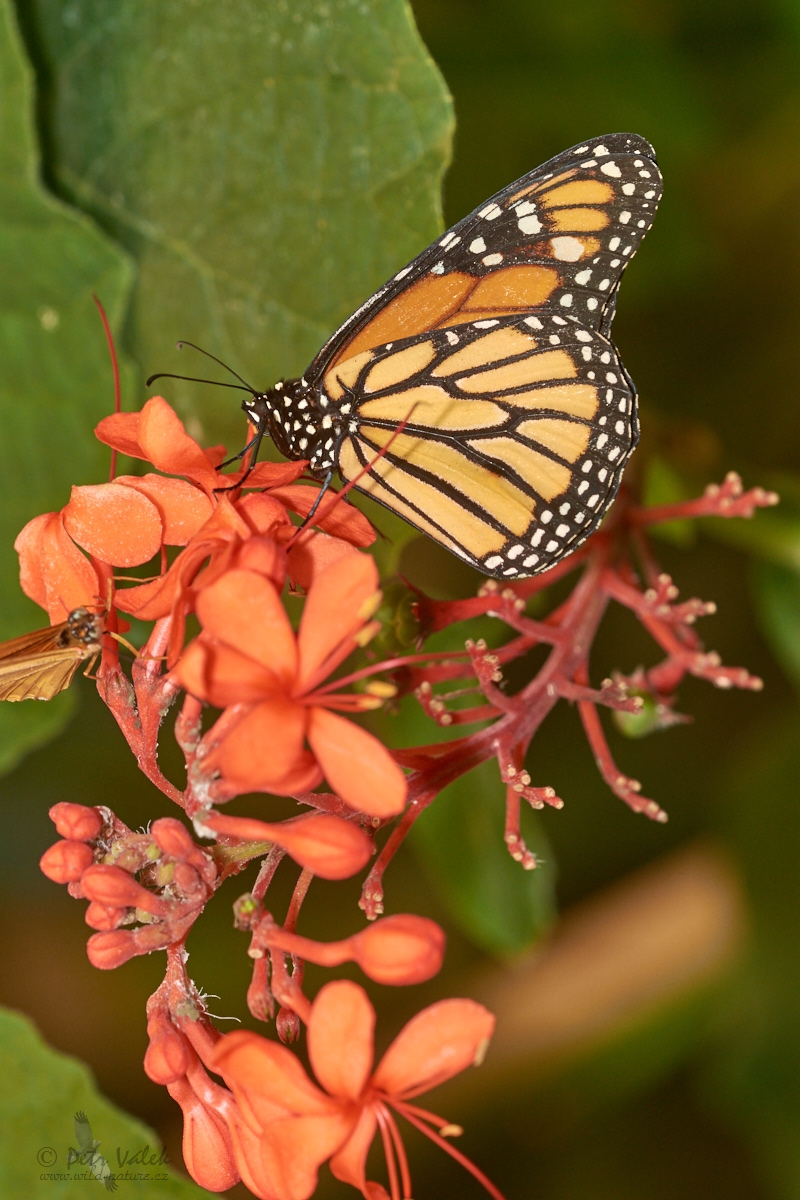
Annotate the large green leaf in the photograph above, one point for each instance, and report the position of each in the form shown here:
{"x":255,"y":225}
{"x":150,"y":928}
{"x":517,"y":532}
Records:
{"x":501,"y":907}
{"x":55,"y":382}
{"x":42,"y":1090}
{"x":268,"y":165}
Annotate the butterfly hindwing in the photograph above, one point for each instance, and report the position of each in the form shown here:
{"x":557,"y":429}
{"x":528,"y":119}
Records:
{"x":558,"y":239}
{"x":516,"y":433}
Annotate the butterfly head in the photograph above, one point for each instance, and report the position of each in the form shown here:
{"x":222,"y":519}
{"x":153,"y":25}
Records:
{"x":83,"y":629}
{"x":293,"y":413}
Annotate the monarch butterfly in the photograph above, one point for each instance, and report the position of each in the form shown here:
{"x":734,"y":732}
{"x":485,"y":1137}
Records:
{"x":491,"y":351}
{"x":39,"y":665}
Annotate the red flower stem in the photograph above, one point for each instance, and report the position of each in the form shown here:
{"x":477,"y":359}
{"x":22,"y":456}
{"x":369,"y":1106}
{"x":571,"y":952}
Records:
{"x":115,"y":372}
{"x":388,"y":1152}
{"x":322,"y":954}
{"x":267,"y":871}
{"x":448,"y":1149}
{"x":372,"y":892}
{"x":286,"y":989}
{"x":298,"y":896}
{"x":622,"y":785}
{"x":188,"y":727}
{"x":389,"y":664}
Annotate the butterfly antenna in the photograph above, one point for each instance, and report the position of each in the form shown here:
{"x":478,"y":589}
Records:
{"x":194,"y":379}
{"x":224,"y":366}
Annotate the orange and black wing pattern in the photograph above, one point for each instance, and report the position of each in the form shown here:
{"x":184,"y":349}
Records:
{"x":494,"y":347}
{"x":517,"y":430}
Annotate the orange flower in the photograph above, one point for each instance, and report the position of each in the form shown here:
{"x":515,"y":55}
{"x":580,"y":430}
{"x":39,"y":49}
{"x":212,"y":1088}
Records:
{"x":249,"y":661}
{"x":127,"y":522}
{"x":298,"y":1125}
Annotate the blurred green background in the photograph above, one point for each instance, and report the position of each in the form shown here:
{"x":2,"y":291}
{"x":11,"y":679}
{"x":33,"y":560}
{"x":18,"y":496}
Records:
{"x":243,"y":174}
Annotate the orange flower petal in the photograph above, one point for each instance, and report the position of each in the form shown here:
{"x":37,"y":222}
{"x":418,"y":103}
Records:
{"x":223,"y":676}
{"x":435,"y":1045}
{"x":253,"y":1165}
{"x":350,"y":1163}
{"x":312,"y":554}
{"x":53,"y":572}
{"x":271,"y":474}
{"x":183,"y":509}
{"x":244,"y":610}
{"x":356,"y":765}
{"x":168,"y":446}
{"x":296,"y":1147}
{"x":334,"y":610}
{"x":121,"y":432}
{"x":341,"y":1030}
{"x":262,"y":513}
{"x":28,"y":546}
{"x":337,"y":518}
{"x":271,"y":1079}
{"x":266,"y":557}
{"x":151,"y":600}
{"x":114,"y":523}
{"x":264,"y":751}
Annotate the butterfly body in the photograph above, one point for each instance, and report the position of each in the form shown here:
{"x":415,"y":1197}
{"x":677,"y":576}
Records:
{"x":491,"y":355}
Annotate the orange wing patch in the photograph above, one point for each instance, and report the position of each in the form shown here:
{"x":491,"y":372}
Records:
{"x":417,"y":309}
{"x":512,"y":288}
{"x":579,"y":191}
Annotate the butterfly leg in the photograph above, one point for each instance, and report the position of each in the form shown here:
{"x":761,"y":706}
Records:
{"x":255,"y":445}
{"x":326,"y":483}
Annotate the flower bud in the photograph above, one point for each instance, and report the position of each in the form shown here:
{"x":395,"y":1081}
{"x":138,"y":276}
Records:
{"x":104,"y":916}
{"x":186,"y":878}
{"x":65,"y":862}
{"x":167,"y":1057}
{"x":109,"y":950}
{"x":329,"y":846}
{"x":207,"y":1148}
{"x":76,"y":821}
{"x":287,"y":1025}
{"x":400,"y":950}
{"x":173,"y":838}
{"x":112,"y":885}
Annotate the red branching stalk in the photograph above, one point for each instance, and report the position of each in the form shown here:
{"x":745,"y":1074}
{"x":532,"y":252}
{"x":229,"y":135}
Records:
{"x":146,"y":890}
{"x":609,"y":574}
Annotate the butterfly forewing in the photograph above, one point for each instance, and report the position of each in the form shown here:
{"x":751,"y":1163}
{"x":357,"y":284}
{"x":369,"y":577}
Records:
{"x":559,"y":238}
{"x":517,"y":431}
{"x":39,"y":665}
